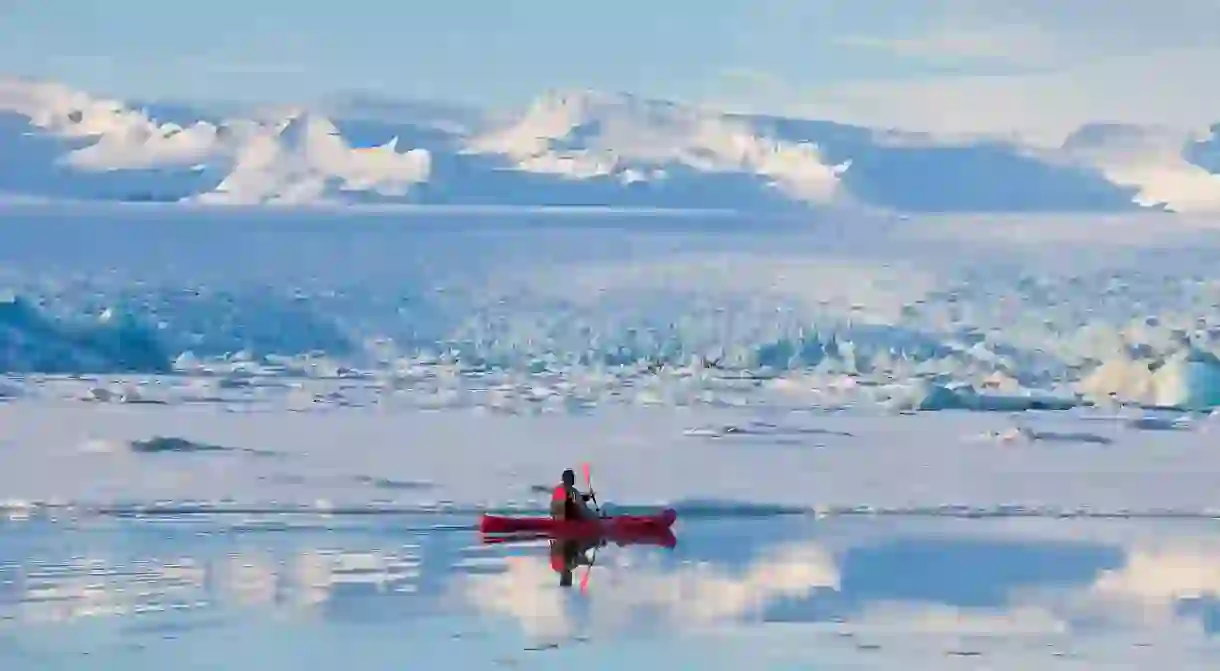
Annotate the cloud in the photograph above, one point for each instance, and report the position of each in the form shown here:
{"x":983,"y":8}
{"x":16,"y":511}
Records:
{"x":1015,"y":45}
{"x":752,"y":77}
{"x":219,"y":65}
{"x":1168,"y":88}
{"x":1040,"y":68}
{"x":1107,"y":26}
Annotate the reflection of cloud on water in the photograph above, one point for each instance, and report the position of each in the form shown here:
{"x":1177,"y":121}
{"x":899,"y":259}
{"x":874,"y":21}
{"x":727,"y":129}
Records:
{"x":926,"y":618}
{"x":247,"y":579}
{"x":703,"y":595}
{"x":51,"y":592}
{"x":93,"y":588}
{"x":1144,"y":595}
{"x":313,"y":575}
{"x":525,"y":591}
{"x":691,"y":595}
{"x":1140,"y":599}
{"x":1155,"y":576}
{"x":1154,"y":582}
{"x":1154,"y":609}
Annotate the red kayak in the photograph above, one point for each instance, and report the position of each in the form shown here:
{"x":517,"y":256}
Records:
{"x":616,"y":526}
{"x":660,"y":537}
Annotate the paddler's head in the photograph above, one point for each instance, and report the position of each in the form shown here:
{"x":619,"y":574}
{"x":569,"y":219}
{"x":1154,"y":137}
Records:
{"x":569,"y":478}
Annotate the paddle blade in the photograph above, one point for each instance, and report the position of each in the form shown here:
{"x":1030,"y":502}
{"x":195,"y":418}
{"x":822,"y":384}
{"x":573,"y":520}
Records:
{"x":584,"y":581}
{"x":589,"y":485}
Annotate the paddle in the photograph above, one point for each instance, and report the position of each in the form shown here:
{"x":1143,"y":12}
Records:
{"x":589,"y":484}
{"x":584,"y":581}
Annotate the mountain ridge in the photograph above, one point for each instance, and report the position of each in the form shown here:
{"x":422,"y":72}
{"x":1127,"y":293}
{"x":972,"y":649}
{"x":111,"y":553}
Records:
{"x":573,"y":148}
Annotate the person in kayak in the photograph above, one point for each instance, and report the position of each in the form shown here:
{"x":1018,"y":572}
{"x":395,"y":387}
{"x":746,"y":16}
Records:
{"x":569,"y":504}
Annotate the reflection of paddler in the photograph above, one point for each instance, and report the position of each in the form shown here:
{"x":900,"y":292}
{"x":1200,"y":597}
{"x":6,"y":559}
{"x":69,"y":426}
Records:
{"x":567,"y":554}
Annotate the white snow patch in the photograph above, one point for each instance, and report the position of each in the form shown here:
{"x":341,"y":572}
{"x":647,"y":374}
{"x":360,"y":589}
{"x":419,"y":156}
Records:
{"x":124,"y":138}
{"x":301,"y":159}
{"x":102,"y":446}
{"x":581,"y":135}
{"x":307,"y":160}
{"x":1151,"y":160}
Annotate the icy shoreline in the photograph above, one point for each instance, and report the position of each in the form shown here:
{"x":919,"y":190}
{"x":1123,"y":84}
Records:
{"x":720,"y":366}
{"x":688,"y":310}
{"x":709,"y":462}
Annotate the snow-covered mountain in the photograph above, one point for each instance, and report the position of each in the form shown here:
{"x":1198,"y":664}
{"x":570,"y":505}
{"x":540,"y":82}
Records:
{"x":591,"y":135}
{"x":82,"y":146}
{"x":572,"y":149}
{"x":1165,"y":167}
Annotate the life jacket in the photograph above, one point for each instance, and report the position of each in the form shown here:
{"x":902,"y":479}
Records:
{"x":571,"y":510}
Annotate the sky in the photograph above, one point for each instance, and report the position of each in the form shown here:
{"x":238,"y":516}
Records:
{"x":946,"y":66}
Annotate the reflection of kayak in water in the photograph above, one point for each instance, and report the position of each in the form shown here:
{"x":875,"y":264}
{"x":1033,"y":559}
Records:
{"x":568,"y":553}
{"x":614,"y":526}
{"x":659,"y":537}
